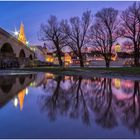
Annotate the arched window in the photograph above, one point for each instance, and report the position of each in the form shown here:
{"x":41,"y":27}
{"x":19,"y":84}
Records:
{"x":31,"y":58}
{"x":7,"y":48}
{"x":22,"y":54}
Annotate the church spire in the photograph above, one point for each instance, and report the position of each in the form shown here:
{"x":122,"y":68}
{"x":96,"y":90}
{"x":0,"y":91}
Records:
{"x":21,"y":95}
{"x":22,"y":36}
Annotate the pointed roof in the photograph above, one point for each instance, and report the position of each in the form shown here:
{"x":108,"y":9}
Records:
{"x":22,"y":36}
{"x":21,"y":95}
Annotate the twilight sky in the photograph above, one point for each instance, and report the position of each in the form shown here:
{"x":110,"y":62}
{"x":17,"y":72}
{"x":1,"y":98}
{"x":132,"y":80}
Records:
{"x":32,"y":14}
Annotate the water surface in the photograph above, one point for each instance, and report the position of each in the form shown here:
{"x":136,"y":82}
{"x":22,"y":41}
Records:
{"x":44,"y":105}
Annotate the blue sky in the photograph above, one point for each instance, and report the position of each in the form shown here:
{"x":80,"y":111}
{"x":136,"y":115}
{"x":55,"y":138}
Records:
{"x":32,"y":14}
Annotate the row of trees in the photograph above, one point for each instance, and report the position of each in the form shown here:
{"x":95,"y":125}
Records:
{"x":100,"y":31}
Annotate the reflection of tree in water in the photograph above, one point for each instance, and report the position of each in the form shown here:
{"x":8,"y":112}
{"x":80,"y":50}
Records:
{"x":102,"y":104}
{"x":130,"y":114}
{"x":70,"y":103}
{"x":78,"y":102}
{"x":86,"y":98}
{"x":52,"y":103}
{"x":49,"y":85}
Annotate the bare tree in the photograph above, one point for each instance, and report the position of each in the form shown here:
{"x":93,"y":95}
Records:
{"x":76,"y":29}
{"x":131,"y":28}
{"x":51,"y":32}
{"x":104,"y":32}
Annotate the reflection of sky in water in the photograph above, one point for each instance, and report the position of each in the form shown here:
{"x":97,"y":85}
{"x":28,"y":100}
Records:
{"x":49,"y":106}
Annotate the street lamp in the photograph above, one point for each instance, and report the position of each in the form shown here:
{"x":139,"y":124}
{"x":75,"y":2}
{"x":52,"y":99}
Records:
{"x":27,"y":43}
{"x":16,"y":33}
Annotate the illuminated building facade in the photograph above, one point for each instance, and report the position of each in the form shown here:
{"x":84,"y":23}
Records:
{"x":67,"y":59}
{"x":22,"y":36}
{"x":117,"y":48}
{"x":40,"y":52}
{"x":50,"y":58}
{"x":14,"y":53}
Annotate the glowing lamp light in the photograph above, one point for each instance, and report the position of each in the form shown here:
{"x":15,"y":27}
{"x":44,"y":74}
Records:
{"x":15,"y":102}
{"x":33,"y":84}
{"x":27,"y":91}
{"x":16,"y":33}
{"x":117,"y":83}
{"x":27,"y":43}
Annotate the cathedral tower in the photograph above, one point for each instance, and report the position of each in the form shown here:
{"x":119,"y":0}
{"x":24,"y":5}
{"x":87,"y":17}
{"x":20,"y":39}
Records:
{"x":22,"y":36}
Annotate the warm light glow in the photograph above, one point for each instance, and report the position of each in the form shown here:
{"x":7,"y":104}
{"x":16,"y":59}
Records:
{"x":50,"y":58}
{"x":15,"y":102}
{"x":22,"y":36}
{"x":67,"y":59}
{"x":117,"y":48}
{"x":21,"y":95}
{"x":114,"y":57}
{"x":117,"y":83}
{"x":49,"y":75}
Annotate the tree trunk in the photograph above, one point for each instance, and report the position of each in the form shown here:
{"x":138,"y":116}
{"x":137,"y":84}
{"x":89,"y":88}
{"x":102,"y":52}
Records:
{"x":136,"y":55}
{"x":136,"y":59}
{"x":60,"y":60}
{"x":81,"y":63}
{"x":59,"y":57}
{"x":56,"y":91}
{"x":107,"y":63}
{"x":81,"y":59}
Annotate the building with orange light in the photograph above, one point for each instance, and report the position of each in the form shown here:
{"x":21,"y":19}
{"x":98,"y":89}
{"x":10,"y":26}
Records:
{"x":67,"y":59}
{"x":22,"y":36}
{"x":50,"y":58}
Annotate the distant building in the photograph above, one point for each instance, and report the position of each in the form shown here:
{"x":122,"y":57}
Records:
{"x":40,"y":52}
{"x":50,"y":57}
{"x":67,"y":59}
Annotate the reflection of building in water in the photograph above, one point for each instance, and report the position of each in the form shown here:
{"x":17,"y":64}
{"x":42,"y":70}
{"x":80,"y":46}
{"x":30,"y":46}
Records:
{"x":122,"y":89}
{"x":10,"y":86}
{"x":20,"y":98}
{"x":39,"y":78}
{"x":49,"y":76}
{"x":43,"y":79}
{"x":117,"y":83}
{"x":67,"y":82}
{"x":68,"y":77}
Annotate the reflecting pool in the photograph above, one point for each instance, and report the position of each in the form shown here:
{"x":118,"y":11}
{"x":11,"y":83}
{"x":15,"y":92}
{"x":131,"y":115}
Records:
{"x":45,"y":105}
